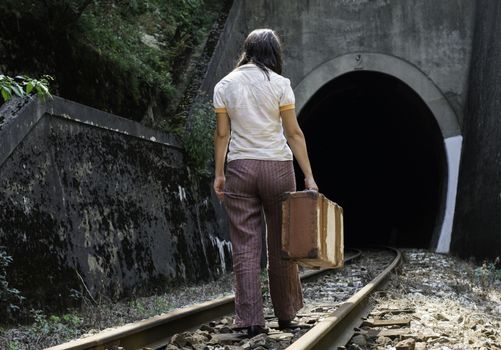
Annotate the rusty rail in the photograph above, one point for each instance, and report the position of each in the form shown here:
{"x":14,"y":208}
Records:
{"x":336,"y":329}
{"x":155,"y":331}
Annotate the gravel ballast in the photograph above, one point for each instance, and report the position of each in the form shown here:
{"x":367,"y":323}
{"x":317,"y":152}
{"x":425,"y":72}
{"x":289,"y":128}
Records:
{"x":453,"y":306}
{"x":450,"y":304}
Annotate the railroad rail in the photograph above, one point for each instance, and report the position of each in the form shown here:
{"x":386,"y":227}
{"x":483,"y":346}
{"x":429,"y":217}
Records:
{"x":337,"y":329}
{"x":155,"y":332}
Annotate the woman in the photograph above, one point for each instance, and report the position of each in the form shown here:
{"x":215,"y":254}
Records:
{"x":255,"y":114}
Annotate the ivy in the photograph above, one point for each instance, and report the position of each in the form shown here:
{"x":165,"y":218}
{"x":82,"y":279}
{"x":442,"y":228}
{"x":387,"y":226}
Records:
{"x":22,"y":85}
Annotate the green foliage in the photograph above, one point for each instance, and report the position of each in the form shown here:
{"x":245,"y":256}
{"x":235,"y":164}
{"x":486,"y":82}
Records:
{"x":197,"y":138}
{"x":65,"y":325}
{"x":13,"y":345}
{"x":138,"y":306}
{"x":145,"y":308}
{"x":132,"y":58}
{"x":151,"y":39}
{"x":487,"y":274}
{"x":10,"y":298}
{"x":22,"y":85}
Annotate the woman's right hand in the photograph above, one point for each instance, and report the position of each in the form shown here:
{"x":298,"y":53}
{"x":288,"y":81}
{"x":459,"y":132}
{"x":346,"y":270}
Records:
{"x":310,"y":184}
{"x":219,"y":187}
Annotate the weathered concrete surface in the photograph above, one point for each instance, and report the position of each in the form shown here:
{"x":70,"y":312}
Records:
{"x":423,"y":43}
{"x":434,"y":36}
{"x":91,"y":194}
{"x":477,"y":225}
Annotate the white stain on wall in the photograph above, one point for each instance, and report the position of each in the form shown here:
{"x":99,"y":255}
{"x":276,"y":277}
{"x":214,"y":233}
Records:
{"x":221,"y":245}
{"x":182,"y":193}
{"x":453,"y":151}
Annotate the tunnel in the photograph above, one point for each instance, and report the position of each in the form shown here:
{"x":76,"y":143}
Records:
{"x":376,"y":149}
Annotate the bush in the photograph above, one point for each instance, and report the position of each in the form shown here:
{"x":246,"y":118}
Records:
{"x":197,"y":138}
{"x":489,"y":274}
{"x":10,"y":298}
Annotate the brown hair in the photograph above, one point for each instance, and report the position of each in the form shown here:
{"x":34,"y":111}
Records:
{"x":263,"y":48}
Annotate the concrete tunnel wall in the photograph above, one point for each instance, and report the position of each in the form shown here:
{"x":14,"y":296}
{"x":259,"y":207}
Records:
{"x":477,"y":224}
{"x":425,"y":44}
{"x":87,"y":194}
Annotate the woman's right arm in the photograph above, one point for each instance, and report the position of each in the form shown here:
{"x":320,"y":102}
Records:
{"x":297,"y":143}
{"x":221,"y":139}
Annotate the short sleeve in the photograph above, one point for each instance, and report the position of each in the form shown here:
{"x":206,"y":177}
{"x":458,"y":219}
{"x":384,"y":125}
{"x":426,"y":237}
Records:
{"x":287,"y":100}
{"x":219,"y":106}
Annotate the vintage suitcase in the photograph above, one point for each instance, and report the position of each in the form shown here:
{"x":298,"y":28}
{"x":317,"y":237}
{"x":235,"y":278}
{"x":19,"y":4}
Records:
{"x":312,"y":230}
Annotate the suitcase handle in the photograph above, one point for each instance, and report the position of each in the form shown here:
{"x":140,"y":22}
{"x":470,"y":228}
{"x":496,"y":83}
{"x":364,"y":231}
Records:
{"x":311,"y":193}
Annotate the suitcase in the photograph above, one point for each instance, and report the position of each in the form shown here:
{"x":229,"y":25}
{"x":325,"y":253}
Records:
{"x":312,"y":230}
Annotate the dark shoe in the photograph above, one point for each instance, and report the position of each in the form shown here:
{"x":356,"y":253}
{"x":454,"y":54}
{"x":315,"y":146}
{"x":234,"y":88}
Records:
{"x":252,"y":331}
{"x":283,"y":324}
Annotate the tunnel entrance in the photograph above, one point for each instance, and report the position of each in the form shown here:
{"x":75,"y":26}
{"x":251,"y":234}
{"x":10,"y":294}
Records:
{"x":377,"y":150}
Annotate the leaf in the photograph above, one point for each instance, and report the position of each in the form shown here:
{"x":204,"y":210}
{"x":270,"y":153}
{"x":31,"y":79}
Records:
{"x":29,"y":87}
{"x":44,"y":90}
{"x":7,"y":88}
{"x":5,"y":95}
{"x":17,"y":90}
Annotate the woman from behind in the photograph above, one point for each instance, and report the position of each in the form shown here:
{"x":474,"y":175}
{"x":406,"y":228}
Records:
{"x":257,"y":135}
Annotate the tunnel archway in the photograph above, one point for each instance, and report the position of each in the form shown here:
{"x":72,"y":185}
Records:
{"x":380,"y":151}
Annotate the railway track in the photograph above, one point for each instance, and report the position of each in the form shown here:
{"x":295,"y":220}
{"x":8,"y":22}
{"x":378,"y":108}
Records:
{"x":328,"y":330}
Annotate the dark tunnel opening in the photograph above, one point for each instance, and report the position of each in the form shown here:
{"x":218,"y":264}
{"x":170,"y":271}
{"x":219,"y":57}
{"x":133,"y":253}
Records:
{"x":377,"y":150}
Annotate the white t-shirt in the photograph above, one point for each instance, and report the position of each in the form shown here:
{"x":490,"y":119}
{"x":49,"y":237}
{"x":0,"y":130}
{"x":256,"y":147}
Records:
{"x":253,"y":104}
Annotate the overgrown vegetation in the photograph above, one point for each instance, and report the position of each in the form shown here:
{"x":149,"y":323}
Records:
{"x":10,"y":298}
{"x":152,"y":38}
{"x":197,"y":138}
{"x":132,"y":58}
{"x":489,"y":274}
{"x":65,"y":325}
{"x":22,"y":85}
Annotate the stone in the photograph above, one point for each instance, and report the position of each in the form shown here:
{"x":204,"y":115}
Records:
{"x":420,"y":346}
{"x":225,"y":329}
{"x":385,"y":323}
{"x":355,"y":347}
{"x":197,"y":338}
{"x":281,"y":336}
{"x":226,"y":338}
{"x":406,"y":344}
{"x":359,"y":339}
{"x":320,"y":309}
{"x":199,"y":346}
{"x":207,"y":328}
{"x":258,"y":340}
{"x":441,"y":317}
{"x":383,"y":340}
{"x":179,"y":340}
{"x":225,"y":321}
